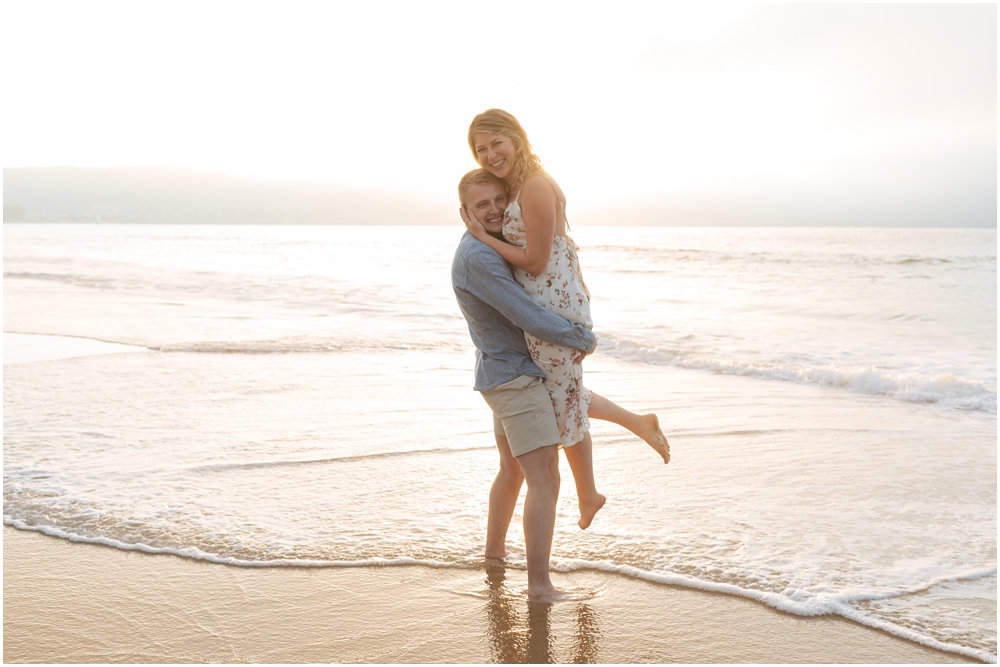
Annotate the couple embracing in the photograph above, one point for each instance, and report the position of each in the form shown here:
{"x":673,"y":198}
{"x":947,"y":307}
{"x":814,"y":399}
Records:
{"x":518,"y":282}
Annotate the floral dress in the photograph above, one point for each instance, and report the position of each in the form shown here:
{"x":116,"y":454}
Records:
{"x":561,"y":289}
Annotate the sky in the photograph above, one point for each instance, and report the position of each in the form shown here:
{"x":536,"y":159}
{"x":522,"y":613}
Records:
{"x":789,"y":113}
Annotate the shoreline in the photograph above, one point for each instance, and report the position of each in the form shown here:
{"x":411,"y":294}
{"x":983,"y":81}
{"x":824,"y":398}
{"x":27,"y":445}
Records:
{"x":68,"y":601}
{"x":26,"y":348}
{"x":468,"y":607}
{"x":597,"y":568}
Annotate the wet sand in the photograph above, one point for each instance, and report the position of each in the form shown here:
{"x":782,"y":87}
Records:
{"x":73,"y":602}
{"x":26,"y":348}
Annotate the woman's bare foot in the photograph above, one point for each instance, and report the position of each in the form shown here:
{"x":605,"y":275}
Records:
{"x":654,"y":437}
{"x":589,"y":509}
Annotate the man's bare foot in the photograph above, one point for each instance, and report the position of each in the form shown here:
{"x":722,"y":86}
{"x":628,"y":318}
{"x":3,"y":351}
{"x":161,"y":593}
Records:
{"x":553,"y":594}
{"x":588,"y":510}
{"x":654,"y":436}
{"x":497,"y":554}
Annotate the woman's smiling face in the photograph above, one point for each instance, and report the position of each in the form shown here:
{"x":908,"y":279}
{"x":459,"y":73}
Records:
{"x":495,"y":153}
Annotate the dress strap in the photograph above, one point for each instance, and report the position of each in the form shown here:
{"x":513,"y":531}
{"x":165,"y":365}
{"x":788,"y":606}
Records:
{"x":559,"y":194}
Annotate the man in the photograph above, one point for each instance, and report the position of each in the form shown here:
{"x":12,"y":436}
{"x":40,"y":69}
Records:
{"x":497,"y":310}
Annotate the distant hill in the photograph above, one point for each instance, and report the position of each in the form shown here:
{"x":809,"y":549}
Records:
{"x":176,"y":195}
{"x":190,"y":196}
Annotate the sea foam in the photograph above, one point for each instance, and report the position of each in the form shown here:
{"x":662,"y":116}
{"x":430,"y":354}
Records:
{"x":944,"y":389}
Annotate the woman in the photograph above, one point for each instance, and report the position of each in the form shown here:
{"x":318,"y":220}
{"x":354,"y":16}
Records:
{"x":546,"y":265}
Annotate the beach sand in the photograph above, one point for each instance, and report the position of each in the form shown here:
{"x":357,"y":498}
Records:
{"x":73,"y":602}
{"x":26,"y":348}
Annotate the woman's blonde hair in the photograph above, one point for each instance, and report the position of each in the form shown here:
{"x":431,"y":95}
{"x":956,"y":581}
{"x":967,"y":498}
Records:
{"x":498,"y":121}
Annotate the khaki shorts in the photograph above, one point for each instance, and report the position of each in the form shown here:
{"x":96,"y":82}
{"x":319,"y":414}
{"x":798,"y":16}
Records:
{"x":522,"y":411}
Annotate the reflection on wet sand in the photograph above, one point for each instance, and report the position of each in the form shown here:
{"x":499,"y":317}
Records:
{"x":516,"y":637}
{"x":588,"y":634}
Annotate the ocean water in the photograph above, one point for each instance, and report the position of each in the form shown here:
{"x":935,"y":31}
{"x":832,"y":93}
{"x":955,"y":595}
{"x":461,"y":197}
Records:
{"x":302,"y":396}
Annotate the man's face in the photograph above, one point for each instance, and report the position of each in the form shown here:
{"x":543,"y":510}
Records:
{"x":486,"y":203}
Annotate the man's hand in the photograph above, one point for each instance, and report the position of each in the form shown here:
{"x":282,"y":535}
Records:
{"x":472,"y":224}
{"x":578,"y":359}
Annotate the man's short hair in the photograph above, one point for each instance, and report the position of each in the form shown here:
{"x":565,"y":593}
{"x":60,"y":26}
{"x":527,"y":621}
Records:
{"x":477,"y":177}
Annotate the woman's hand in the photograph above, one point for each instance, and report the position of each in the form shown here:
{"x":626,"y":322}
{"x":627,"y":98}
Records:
{"x":472,"y":224}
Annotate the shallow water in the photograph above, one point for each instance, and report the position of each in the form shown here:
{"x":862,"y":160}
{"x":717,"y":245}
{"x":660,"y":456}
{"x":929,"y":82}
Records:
{"x":304,"y":397}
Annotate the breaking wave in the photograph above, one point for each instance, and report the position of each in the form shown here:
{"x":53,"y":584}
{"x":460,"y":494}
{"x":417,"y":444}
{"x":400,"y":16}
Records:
{"x":942,"y":389}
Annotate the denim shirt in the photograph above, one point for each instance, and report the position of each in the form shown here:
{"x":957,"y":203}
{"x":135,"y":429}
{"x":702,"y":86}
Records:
{"x":497,"y":309}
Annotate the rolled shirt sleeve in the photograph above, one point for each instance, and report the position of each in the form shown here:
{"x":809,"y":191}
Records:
{"x":488,"y":277}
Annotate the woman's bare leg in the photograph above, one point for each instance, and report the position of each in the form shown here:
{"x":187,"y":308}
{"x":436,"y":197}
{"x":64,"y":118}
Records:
{"x":581,"y":461}
{"x":646,"y":427}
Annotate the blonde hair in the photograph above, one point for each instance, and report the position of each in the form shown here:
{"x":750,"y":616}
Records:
{"x":477,"y":177}
{"x":498,"y":121}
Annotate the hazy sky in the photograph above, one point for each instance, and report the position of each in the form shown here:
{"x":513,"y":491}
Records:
{"x":815,"y":112}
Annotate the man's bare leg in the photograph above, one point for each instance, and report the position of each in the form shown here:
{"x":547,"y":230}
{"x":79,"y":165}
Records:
{"x":541,"y":471}
{"x":646,"y":427}
{"x":503,"y":499}
{"x":581,"y":462}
